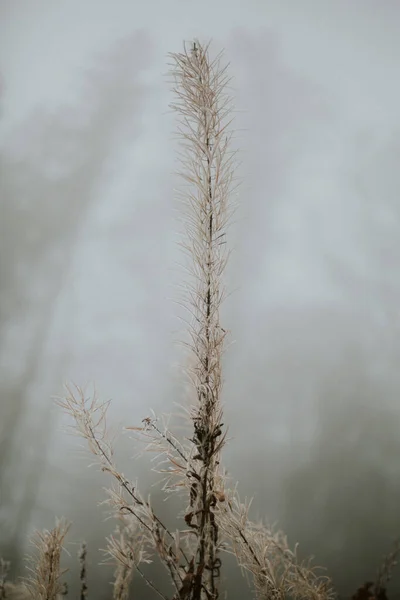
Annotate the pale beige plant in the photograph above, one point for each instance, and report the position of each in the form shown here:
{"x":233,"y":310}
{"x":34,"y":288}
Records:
{"x":125,"y":498}
{"x":265,"y":554}
{"x":204,"y":110}
{"x":44,"y":581}
{"x":215,"y":520}
{"x":126,"y":549}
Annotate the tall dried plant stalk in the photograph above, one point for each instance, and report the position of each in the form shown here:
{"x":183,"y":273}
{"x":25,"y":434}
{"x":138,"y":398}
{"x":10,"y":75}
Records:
{"x":215,"y":518}
{"x":203,"y":109}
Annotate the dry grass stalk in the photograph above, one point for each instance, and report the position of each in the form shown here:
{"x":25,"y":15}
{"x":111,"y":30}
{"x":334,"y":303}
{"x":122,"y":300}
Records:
{"x":45,"y":573}
{"x":126,"y":549}
{"x":122,"y":549}
{"x":265,"y":554}
{"x":203,"y":108}
{"x":125,"y":498}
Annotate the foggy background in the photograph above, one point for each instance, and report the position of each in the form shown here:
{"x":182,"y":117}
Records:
{"x":88,"y":254}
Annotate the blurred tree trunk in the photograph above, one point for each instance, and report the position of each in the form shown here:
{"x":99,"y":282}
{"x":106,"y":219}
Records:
{"x":42,"y":218}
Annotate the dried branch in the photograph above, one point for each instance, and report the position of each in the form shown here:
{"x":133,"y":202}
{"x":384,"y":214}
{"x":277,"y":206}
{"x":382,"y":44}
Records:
{"x":265,"y":554}
{"x":90,"y":418}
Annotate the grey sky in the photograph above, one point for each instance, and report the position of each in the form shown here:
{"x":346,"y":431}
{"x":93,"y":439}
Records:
{"x":349,"y":47}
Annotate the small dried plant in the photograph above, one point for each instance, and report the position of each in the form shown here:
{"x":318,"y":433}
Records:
{"x":44,"y":581}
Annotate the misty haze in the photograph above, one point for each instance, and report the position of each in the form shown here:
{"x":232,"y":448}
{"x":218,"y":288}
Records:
{"x":91,"y":271}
